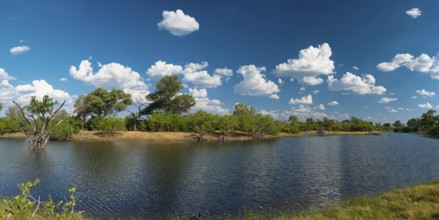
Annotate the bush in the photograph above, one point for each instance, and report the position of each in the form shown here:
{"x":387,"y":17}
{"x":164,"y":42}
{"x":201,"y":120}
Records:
{"x":9,"y":125}
{"x":109,"y":126}
{"x":25,"y":206}
{"x":66,"y":129}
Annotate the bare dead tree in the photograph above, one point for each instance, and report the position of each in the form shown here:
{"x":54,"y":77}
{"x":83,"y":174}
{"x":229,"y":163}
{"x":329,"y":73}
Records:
{"x":136,"y":116}
{"x":36,"y":119}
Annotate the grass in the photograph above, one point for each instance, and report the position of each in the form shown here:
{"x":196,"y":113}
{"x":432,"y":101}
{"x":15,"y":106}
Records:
{"x":416,"y":202}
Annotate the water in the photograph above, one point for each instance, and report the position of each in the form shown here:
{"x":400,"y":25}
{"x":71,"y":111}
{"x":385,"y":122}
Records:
{"x":144,"y":179}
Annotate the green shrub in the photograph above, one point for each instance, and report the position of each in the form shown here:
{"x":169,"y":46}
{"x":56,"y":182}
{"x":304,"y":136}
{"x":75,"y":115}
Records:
{"x":109,"y":126}
{"x":25,"y":206}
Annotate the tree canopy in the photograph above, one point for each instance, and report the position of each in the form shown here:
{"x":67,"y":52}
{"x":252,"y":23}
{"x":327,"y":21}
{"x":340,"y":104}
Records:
{"x":166,"y":98}
{"x":102,"y":103}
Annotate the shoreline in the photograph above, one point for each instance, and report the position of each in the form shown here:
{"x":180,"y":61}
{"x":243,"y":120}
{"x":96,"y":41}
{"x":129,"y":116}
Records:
{"x":91,"y":136}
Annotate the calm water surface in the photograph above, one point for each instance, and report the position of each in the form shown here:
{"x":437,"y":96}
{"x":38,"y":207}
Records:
{"x":293,"y":173}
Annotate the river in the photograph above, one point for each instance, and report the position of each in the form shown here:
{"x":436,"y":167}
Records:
{"x":135,"y":179}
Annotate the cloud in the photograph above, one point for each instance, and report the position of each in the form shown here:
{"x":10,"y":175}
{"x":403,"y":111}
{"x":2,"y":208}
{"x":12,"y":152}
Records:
{"x":304,"y":112}
{"x":355,"y":68}
{"x":224,"y":72}
{"x":424,"y":93}
{"x":177,"y":23}
{"x":280,"y":81}
{"x":425,"y":106}
{"x":161,"y":69}
{"x":312,"y":62}
{"x":274,"y":96}
{"x":254,"y":82}
{"x":306,"y":100}
{"x":387,"y":100}
{"x":393,"y":110}
{"x":360,"y":85}
{"x":193,"y":73}
{"x":109,"y":76}
{"x":414,"y":12}
{"x":62,"y":79}
{"x":5,"y":75}
{"x":320,"y":107}
{"x":312,"y":81}
{"x":38,"y":88}
{"x":315,"y":92}
{"x":333,"y":103}
{"x":19,"y":50}
{"x":206,"y":104}
{"x":424,"y":64}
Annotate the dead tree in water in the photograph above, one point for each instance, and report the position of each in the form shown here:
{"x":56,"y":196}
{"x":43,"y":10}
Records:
{"x":36,"y":118}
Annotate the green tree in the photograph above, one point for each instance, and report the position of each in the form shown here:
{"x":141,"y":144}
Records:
{"x":243,"y":109}
{"x":166,"y":99}
{"x":102,"y":102}
{"x":398,"y":126}
{"x":36,"y":118}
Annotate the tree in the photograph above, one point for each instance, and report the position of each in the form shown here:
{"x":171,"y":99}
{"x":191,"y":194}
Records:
{"x":36,"y":118}
{"x":102,"y":103}
{"x":243,"y":109}
{"x":166,"y":99}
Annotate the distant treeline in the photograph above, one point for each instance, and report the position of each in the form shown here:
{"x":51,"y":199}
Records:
{"x":427,"y":124}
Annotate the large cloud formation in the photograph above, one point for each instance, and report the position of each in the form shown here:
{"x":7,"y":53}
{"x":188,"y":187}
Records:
{"x":312,"y":62}
{"x":109,"y":76}
{"x":177,"y":23}
{"x":254,"y":82}
{"x":424,"y":64}
{"x":359,"y":85}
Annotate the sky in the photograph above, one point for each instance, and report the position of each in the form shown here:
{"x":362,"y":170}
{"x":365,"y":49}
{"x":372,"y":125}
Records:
{"x":376,"y":60}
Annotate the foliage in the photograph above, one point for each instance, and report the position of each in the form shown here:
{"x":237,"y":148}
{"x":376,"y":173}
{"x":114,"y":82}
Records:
{"x":111,"y":125}
{"x":25,"y":206}
{"x":102,"y":102}
{"x":166,"y":98}
{"x":36,"y":119}
{"x":416,"y":202}
{"x":66,"y":129}
{"x":9,"y":125}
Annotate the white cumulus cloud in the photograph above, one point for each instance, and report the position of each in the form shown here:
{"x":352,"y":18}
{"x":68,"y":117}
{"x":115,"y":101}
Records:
{"x":424,"y":93}
{"x":312,"y":62}
{"x":254,"y":82}
{"x":425,"y":106}
{"x":274,"y":96}
{"x":224,"y":72}
{"x":310,"y":80}
{"x":178,"y":23}
{"x":5,"y":75}
{"x":424,"y":64}
{"x":333,"y":103}
{"x":195,"y":74}
{"x":206,"y":104}
{"x":161,"y":69}
{"x":320,"y":107}
{"x":360,"y":85}
{"x":387,"y":100}
{"x":109,"y":76}
{"x":19,"y":50}
{"x":414,"y":12}
{"x":306,"y":100}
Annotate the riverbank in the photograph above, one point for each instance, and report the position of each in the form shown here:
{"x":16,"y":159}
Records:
{"x":177,"y":136}
{"x":415,"y":202}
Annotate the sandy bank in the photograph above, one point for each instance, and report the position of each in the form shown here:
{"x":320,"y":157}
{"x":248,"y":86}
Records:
{"x":170,"y":136}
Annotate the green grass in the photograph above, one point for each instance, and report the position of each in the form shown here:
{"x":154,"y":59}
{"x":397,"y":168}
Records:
{"x":416,"y":202}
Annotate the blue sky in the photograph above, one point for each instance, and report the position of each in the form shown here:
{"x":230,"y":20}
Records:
{"x":376,"y":60}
